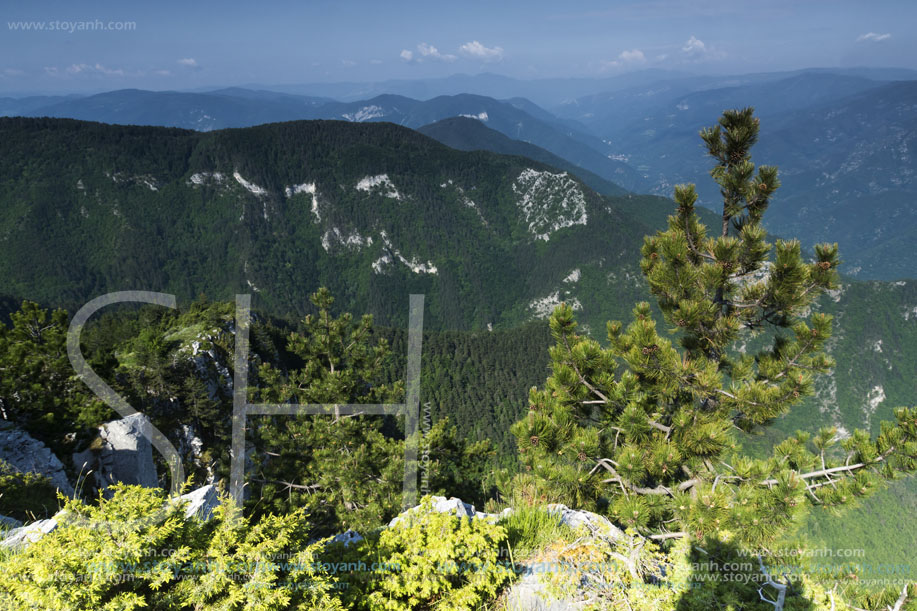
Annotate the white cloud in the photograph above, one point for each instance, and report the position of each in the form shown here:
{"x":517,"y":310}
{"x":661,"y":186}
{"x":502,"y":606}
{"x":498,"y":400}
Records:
{"x":432,"y":52}
{"x":873,"y":37}
{"x":696,"y":50}
{"x":12,"y":72}
{"x":476,"y":50}
{"x":694,"y":47}
{"x":348,"y":62}
{"x":188,"y":61}
{"x":426,"y":51}
{"x":634,"y":56}
{"x":162,"y":72}
{"x":625,"y":58}
{"x":94,"y":69}
{"x":375,"y":62}
{"x":109,"y":71}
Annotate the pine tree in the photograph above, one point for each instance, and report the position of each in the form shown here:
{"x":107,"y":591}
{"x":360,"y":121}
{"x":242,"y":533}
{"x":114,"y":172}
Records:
{"x":648,"y":428}
{"x":344,"y":469}
{"x":38,"y":388}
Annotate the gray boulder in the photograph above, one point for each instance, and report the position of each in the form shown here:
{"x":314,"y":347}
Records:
{"x":7,"y":522}
{"x":530,"y":593}
{"x":598,"y":526}
{"x":124,"y":454}
{"x":347,"y":538}
{"x":28,"y":455}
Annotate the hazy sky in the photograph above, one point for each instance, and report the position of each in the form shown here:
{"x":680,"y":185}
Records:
{"x":195,"y":43}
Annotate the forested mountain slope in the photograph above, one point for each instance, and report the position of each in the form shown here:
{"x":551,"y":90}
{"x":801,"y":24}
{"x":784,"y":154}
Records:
{"x":372,"y":211}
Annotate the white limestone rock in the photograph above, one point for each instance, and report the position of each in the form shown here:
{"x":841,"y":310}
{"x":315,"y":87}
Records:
{"x":454,"y":506}
{"x":598,"y":526}
{"x":29,"y":533}
{"x":201,"y":502}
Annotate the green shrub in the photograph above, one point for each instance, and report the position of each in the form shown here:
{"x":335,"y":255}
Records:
{"x":436,"y":560}
{"x":26,"y":496}
{"x":126,"y":554}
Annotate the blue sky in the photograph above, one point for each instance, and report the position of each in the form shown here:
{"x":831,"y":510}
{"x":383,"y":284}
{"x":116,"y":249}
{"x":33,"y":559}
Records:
{"x":196,"y":43}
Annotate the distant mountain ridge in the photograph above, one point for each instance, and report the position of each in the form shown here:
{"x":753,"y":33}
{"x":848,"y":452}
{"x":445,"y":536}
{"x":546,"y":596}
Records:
{"x":841,"y":181}
{"x":467,"y":134}
{"x":843,"y":144}
{"x":506,"y":117}
{"x":245,"y":108}
{"x":199,"y":111}
{"x":551,"y":92}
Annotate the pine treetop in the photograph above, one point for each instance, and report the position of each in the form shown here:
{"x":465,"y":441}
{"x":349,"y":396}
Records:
{"x":649,"y":426}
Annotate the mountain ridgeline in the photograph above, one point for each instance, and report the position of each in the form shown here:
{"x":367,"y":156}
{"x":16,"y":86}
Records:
{"x":373,"y":211}
{"x":235,"y":107}
{"x":843,"y":137}
{"x":471,"y":134}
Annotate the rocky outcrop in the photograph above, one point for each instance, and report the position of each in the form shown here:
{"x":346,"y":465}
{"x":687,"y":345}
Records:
{"x":536,"y":589}
{"x":528,"y":594}
{"x":453,"y":505}
{"x":122,"y":453}
{"x":598,"y":526}
{"x":441,"y":504}
{"x":211,"y":362}
{"x":347,"y":538}
{"x":28,"y":455}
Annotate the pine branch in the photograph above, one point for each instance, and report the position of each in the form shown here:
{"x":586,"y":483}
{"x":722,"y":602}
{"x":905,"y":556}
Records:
{"x":833,"y":470}
{"x":901,"y":600}
{"x":780,"y":587}
{"x":607,"y":463}
{"x":665,"y":536}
